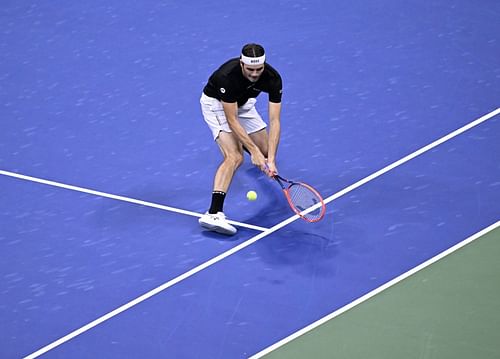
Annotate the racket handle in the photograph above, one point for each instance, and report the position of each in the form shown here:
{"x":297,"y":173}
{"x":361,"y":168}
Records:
{"x":279,"y":180}
{"x":269,"y":171}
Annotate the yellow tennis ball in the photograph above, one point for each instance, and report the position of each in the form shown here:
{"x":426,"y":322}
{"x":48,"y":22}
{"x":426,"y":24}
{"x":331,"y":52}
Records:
{"x":251,"y":195}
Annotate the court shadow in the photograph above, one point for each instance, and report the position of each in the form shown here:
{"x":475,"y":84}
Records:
{"x":219,"y":237}
{"x":306,"y":252}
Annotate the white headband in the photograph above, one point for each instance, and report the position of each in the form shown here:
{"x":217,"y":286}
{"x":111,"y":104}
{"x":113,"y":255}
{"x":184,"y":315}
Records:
{"x":253,"y":60}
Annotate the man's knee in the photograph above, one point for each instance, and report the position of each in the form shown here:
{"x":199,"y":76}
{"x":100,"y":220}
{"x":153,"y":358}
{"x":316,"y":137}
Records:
{"x":235,"y":159}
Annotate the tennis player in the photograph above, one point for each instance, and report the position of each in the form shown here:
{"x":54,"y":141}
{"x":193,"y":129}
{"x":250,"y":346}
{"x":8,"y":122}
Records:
{"x":228,"y":107}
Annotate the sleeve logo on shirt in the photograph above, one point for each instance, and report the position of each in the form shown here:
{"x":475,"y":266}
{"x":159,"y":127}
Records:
{"x":222,"y":90}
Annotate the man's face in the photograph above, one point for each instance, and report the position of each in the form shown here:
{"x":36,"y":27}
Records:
{"x":252,"y":73}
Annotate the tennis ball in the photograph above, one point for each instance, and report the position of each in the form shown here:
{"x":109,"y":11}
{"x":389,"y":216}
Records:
{"x":251,"y":195}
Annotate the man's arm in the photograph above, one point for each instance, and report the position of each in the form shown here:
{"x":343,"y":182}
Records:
{"x":274,"y":135}
{"x":231,"y":112}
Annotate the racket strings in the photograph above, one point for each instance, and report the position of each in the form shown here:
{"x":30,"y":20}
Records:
{"x":303,"y":198}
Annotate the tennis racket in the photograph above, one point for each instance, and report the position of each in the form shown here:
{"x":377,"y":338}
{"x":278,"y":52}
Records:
{"x":304,"y":200}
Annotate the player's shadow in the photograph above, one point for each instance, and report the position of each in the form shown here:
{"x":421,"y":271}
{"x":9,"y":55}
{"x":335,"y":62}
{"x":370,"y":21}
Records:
{"x":306,"y":252}
{"x":220,"y":237}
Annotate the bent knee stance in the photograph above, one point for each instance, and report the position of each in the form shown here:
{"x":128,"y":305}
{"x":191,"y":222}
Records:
{"x":234,"y":160}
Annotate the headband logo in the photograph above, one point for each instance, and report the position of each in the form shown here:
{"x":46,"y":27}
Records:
{"x":253,"y":60}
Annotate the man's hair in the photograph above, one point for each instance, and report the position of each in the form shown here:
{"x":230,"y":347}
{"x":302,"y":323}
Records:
{"x":253,"y":50}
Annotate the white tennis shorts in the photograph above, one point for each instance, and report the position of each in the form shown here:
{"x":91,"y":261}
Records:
{"x":214,"y":116}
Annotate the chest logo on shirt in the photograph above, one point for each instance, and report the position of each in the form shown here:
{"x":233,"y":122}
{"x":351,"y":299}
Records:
{"x":250,"y":87}
{"x":222,"y":90}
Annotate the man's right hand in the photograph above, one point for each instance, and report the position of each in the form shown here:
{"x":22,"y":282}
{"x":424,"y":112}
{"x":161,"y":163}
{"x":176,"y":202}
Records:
{"x":259,"y":160}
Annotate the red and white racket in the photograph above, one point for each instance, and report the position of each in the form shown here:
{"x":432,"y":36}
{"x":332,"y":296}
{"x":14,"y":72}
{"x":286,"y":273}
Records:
{"x":303,"y":199}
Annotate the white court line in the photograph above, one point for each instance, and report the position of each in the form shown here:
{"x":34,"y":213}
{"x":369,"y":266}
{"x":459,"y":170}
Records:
{"x":249,"y":242}
{"x":160,"y":288}
{"x":119,"y":198}
{"x":411,"y":156}
{"x":405,"y":159}
{"x":375,"y":292}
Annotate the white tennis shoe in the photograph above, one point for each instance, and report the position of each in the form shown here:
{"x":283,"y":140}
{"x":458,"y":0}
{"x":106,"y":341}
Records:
{"x":217,"y":223}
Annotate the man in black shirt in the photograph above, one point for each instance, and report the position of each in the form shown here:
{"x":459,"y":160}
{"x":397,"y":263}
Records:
{"x":228,"y":106}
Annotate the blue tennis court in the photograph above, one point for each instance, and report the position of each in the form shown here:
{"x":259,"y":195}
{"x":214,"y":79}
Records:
{"x":390,"y":110}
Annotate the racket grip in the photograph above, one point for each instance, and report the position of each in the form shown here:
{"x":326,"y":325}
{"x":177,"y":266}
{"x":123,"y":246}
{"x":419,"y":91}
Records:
{"x":268,"y":172}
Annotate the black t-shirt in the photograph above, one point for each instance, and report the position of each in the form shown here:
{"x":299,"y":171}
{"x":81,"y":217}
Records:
{"x":228,"y":84}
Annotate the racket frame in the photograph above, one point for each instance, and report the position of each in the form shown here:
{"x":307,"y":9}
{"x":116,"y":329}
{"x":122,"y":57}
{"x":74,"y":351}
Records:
{"x":286,"y":188}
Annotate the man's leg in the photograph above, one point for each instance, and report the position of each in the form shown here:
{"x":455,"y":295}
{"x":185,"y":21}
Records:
{"x":261,"y":139}
{"x":232,"y":158}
